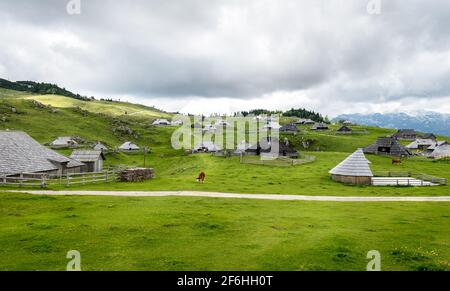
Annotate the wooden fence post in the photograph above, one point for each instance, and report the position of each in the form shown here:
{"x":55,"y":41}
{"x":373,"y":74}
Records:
{"x":42,"y":181}
{"x":68,"y":179}
{"x":21,"y":180}
{"x":106,"y":176}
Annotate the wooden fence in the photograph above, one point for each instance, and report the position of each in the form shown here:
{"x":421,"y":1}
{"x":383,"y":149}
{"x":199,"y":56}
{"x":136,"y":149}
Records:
{"x":412,"y":175}
{"x":392,"y":174}
{"x":399,"y":181}
{"x":278,"y":162}
{"x":432,"y":179}
{"x":44,"y":180}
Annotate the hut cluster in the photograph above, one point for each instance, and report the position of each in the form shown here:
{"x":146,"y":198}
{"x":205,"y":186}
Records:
{"x":21,"y":154}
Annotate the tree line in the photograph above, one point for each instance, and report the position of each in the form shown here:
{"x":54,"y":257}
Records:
{"x":40,"y":88}
{"x":300,"y":113}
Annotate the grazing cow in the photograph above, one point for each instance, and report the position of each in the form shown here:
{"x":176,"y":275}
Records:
{"x":396,"y":161}
{"x":201,"y":177}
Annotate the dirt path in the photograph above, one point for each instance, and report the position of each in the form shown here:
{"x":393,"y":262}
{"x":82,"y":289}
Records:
{"x":241,"y":196}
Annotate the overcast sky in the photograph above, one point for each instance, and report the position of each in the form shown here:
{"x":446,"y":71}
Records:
{"x":222,"y":56}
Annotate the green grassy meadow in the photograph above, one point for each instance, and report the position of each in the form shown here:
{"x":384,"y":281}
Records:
{"x":174,"y":233}
{"x":123,"y":233}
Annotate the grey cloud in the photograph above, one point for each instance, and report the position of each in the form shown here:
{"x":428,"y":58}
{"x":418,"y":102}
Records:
{"x":234,"y":49}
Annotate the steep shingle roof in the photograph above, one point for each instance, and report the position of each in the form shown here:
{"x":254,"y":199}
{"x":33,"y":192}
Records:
{"x":405,"y":133}
{"x":289,"y":128}
{"x":63,"y":141}
{"x":99,"y":147}
{"x":442,"y":151}
{"x":344,"y":128}
{"x":87,"y":156}
{"x":128,"y":146}
{"x":319,"y":125}
{"x":395,"y":149}
{"x":209,"y":145}
{"x":356,"y":165}
{"x":19,"y":153}
{"x":436,"y":144}
{"x":161,"y":122}
{"x":420,"y":143}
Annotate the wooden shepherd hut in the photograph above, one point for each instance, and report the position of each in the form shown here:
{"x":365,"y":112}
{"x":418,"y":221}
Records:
{"x":387,"y":146}
{"x":353,"y":170}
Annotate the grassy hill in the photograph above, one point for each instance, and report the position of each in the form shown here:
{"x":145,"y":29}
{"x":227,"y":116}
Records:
{"x":45,"y":117}
{"x":130,"y":233}
{"x":111,"y":108}
{"x":91,"y":120}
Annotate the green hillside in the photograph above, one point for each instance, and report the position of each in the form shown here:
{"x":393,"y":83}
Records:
{"x":112,"y":108}
{"x":92,"y":121}
{"x":45,"y":117}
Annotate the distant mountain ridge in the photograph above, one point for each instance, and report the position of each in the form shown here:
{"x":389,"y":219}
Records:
{"x":424,"y":121}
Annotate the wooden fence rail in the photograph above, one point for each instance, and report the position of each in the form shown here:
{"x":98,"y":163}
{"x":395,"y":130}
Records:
{"x":432,"y":179}
{"x":44,"y":180}
{"x":392,"y":174}
{"x":278,"y":162}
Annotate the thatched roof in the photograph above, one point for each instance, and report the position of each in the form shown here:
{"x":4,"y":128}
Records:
{"x":387,"y":145}
{"x":356,"y":165}
{"x":19,"y":153}
{"x":86,"y":156}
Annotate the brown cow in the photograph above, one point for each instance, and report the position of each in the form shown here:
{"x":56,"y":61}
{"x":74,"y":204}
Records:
{"x":201,"y":177}
{"x":396,"y":161}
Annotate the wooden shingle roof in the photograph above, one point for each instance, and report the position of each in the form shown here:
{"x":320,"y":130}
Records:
{"x":87,"y":155}
{"x":128,"y":146}
{"x":395,"y":149}
{"x":19,"y":153}
{"x":356,"y":165}
{"x":289,"y":128}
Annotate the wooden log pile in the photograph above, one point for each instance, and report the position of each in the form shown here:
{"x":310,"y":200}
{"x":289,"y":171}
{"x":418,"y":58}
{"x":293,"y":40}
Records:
{"x":136,"y":175}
